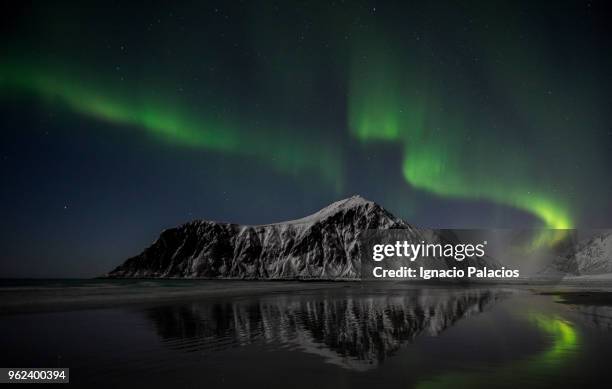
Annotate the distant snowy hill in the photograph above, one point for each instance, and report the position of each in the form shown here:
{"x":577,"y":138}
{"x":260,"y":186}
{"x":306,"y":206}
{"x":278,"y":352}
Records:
{"x":592,"y":256}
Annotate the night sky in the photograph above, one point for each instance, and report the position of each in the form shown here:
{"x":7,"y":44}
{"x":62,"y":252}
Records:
{"x":119,"y":120}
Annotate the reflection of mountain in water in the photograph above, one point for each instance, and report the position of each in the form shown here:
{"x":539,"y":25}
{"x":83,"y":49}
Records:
{"x":354,"y":331}
{"x":598,"y":317}
{"x":592,"y":308}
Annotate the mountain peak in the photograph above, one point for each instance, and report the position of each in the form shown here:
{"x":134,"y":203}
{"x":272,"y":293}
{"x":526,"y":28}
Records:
{"x":343,"y":205}
{"x":350,"y":202}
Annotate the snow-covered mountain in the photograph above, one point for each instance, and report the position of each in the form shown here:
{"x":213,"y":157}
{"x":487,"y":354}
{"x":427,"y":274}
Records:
{"x":324,"y":245}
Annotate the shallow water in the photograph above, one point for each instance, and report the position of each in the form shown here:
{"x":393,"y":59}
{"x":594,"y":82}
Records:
{"x":356,"y":335}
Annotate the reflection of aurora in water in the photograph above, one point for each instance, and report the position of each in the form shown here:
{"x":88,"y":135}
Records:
{"x":565,"y":340}
{"x":546,"y":364}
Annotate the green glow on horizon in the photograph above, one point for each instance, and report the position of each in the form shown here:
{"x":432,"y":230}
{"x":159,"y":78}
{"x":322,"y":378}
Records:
{"x":174,"y":125}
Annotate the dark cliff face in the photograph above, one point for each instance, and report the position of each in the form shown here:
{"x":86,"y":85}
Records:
{"x":322,"y":245}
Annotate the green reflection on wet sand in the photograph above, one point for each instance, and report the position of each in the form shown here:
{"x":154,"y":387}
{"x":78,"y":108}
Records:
{"x":531,"y":370}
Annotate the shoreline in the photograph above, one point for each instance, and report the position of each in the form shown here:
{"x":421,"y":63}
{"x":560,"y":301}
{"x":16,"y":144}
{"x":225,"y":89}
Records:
{"x":52,"y":295}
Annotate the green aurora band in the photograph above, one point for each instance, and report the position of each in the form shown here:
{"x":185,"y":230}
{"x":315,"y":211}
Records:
{"x":441,"y":154}
{"x":386,"y":103}
{"x":168,"y":123}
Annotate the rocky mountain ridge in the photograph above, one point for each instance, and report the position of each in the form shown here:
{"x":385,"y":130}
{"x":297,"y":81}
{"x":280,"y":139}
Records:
{"x":324,"y":245}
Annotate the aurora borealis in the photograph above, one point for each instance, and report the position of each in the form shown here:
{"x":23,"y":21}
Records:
{"x":437,"y":157}
{"x":170,"y":125}
{"x":129,"y":119}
